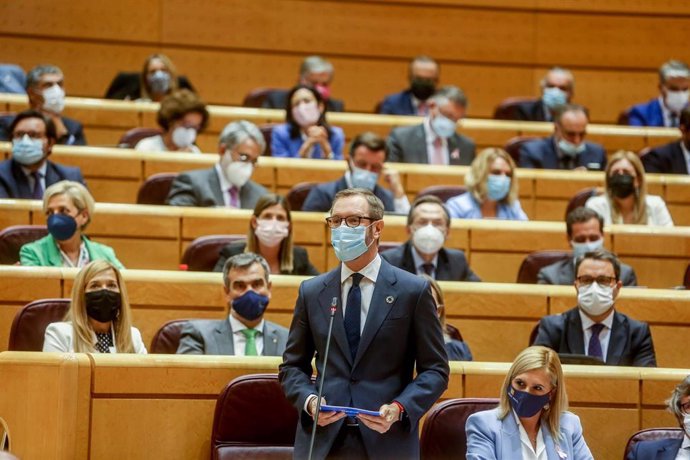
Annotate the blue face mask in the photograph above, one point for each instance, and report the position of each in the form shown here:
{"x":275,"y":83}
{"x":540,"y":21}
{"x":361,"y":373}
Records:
{"x":159,"y":81}
{"x":553,"y":97}
{"x":497,"y":187}
{"x":250,"y":305}
{"x":443,"y":126}
{"x":526,"y":404}
{"x":61,"y":226}
{"x":349,"y":243}
{"x":361,"y":178}
{"x":580,"y":249}
{"x":27,"y":151}
{"x":569,"y":149}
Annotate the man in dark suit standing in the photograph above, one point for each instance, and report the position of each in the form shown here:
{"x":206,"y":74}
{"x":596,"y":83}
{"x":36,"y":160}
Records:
{"x":29,"y":172}
{"x":365,"y":166}
{"x":228,"y":182}
{"x":386,"y":354}
{"x":594,"y":327}
{"x":672,"y":158}
{"x":428,"y":224}
{"x":674,"y":90}
{"x":247,"y":289}
{"x":567,"y":148}
{"x":435,"y":140}
{"x":557,"y":89}
{"x":423,"y":76}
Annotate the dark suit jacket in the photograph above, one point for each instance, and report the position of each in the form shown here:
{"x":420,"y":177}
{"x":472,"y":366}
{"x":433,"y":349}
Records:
{"x":407,"y":144}
{"x":646,"y":114}
{"x":278,"y":100}
{"x":14,"y":184}
{"x":563,"y":272}
{"x":75,"y":131}
{"x":452,"y":264}
{"x":401,"y":336}
{"x":398,"y":104}
{"x":214,"y":337}
{"x":541,"y":154}
{"x":201,"y":187}
{"x":127,"y":85}
{"x":321,"y":197}
{"x":532,"y":111}
{"x":300,"y":259}
{"x":630,"y":343}
{"x":662,"y":449}
{"x":665,"y":159}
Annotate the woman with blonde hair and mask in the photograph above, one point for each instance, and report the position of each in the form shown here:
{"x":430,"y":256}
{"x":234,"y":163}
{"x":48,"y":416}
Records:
{"x":99,"y":319}
{"x":492,"y":189}
{"x":270,"y":236}
{"x":531,"y":421}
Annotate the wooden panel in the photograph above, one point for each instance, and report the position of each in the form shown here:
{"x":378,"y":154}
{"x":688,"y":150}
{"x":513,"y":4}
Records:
{"x":514,"y":337}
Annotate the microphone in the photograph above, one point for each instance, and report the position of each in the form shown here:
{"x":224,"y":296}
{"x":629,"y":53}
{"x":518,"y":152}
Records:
{"x":317,"y":411}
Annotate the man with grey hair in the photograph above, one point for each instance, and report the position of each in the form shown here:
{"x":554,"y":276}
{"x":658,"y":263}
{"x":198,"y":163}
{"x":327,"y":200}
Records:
{"x":664,"y":110}
{"x":557,"y":89}
{"x":423,"y":77}
{"x":45,"y":88}
{"x":228,"y":182}
{"x":314,"y":71}
{"x":435,"y":140}
{"x":244,"y":332}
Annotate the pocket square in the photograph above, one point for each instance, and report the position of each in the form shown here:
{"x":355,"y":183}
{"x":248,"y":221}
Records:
{"x":455,"y":154}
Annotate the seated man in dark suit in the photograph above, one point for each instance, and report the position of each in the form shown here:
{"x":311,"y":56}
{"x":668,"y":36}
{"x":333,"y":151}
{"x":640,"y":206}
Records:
{"x":29,"y":172}
{"x":45,"y":88}
{"x":317,"y":72}
{"x":247,"y":290}
{"x":585,"y":234}
{"x":428,"y":224}
{"x":366,"y":164}
{"x":228,"y":182}
{"x":435,"y":140}
{"x":674,"y":157}
{"x":557,"y":89}
{"x":664,"y":110}
{"x":423,"y":77}
{"x":567,"y":148}
{"x":594,"y":328}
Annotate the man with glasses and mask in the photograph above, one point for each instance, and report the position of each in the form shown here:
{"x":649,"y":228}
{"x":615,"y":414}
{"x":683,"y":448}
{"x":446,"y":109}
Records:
{"x":365,"y":166}
{"x":386,"y":352}
{"x":228,"y":182}
{"x":594,"y":328}
{"x":29,"y":172}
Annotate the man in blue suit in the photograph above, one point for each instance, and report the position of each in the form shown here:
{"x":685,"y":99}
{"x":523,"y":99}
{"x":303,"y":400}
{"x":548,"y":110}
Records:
{"x":567,"y":148}
{"x":674,"y":157}
{"x":423,"y":76}
{"x":29,"y":172}
{"x":386,"y":353}
{"x":664,"y":110}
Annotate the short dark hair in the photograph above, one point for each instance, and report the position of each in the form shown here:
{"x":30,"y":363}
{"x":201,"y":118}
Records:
{"x":580,"y":215}
{"x":33,"y":76}
{"x":244,"y":260}
{"x":563,"y":109}
{"x":370,"y":140}
{"x":427,"y":199}
{"x":600,"y":254}
{"x":375,"y":204}
{"x":176,"y":105}
{"x":51,"y":132}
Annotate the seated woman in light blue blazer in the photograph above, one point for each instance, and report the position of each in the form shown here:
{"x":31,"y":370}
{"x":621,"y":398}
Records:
{"x":306,"y":134}
{"x":531,"y":421}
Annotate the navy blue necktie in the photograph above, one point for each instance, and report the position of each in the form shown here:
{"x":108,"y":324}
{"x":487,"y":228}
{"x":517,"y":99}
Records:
{"x":37,"y":193}
{"x":594,"y":343}
{"x":353,"y":310}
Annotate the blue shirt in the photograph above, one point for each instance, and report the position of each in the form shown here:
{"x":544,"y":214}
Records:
{"x":282,"y":145}
{"x":466,"y":206}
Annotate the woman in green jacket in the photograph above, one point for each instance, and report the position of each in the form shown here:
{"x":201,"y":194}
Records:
{"x":68,"y":207}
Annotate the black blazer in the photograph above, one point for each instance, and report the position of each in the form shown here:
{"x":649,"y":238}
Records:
{"x":532,"y":111}
{"x":665,"y":159}
{"x":321,"y":197}
{"x":452,"y":264}
{"x":300,"y":259}
{"x":14,"y":184}
{"x":563,"y":273}
{"x":127,"y":85}
{"x":75,"y":131}
{"x":278,"y":100}
{"x":630,"y":343}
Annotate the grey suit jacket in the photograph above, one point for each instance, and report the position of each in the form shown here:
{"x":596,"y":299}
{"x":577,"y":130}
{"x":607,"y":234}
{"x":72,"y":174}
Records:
{"x":407,"y":144}
{"x":214,"y":337}
{"x":451,"y":263}
{"x":201,"y":187}
{"x":563,"y":272}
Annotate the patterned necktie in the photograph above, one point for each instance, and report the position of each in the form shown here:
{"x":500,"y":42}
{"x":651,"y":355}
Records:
{"x":37,"y":193}
{"x":250,"y":345}
{"x":353,"y":311}
{"x":104,"y":342}
{"x":437,"y":157}
{"x":594,"y":342}
{"x":428,"y":269}
{"x":234,"y":197}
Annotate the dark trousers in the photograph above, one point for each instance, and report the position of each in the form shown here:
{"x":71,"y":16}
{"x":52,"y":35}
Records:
{"x":348,"y":445}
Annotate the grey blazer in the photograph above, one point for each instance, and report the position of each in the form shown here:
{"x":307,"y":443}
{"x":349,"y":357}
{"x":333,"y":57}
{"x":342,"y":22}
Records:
{"x":201,"y":187}
{"x":563,"y":272}
{"x":407,"y":144}
{"x":214,"y":337}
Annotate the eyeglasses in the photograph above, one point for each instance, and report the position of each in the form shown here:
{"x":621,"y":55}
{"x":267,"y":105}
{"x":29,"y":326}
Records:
{"x":685,"y":408}
{"x":602,"y":280}
{"x":18,"y":135}
{"x":350,"y":221}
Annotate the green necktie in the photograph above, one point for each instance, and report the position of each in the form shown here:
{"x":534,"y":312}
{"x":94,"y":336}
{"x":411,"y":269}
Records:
{"x":250,"y":346}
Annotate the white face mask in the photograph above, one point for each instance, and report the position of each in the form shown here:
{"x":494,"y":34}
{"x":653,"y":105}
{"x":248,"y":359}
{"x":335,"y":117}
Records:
{"x":676,"y":100}
{"x":595,"y":299}
{"x":271,"y":232}
{"x":428,"y":239}
{"x":54,"y":99}
{"x":306,"y":114}
{"x":236,"y":172}
{"x":183,"y":137}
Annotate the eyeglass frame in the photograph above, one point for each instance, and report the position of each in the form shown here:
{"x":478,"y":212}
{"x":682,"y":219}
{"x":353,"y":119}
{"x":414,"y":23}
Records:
{"x":344,"y":219}
{"x":611,"y":280}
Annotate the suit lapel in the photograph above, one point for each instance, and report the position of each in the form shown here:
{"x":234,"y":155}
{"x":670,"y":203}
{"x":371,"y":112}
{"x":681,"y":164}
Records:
{"x":270,"y":340}
{"x":444,"y":269}
{"x":407,"y":262}
{"x":224,"y":338}
{"x":548,"y":441}
{"x":330,"y":291}
{"x":678,"y":162}
{"x":510,"y":439}
{"x":575,"y":337}
{"x":617,"y":340}
{"x":214,"y":186}
{"x":23,"y":189}
{"x":418,"y":145}
{"x":567,"y":270}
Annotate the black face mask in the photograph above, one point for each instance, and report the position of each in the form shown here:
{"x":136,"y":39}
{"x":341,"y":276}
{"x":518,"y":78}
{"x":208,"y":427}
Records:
{"x":103,"y":305}
{"x":622,"y":185}
{"x":422,"y":88}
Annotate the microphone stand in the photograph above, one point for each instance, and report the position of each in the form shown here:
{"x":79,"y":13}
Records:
{"x":317,"y":411}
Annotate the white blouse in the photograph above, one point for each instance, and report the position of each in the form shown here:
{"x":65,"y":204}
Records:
{"x":657,"y":212}
{"x":58,"y":338}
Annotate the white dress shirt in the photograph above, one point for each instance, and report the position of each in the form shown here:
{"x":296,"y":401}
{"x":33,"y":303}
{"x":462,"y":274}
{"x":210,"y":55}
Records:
{"x":239,"y":340}
{"x":430,"y":137}
{"x":366,"y":286}
{"x":400,"y":205}
{"x":528,"y":451}
{"x":225,"y":186}
{"x":604,"y":335}
{"x":684,"y":451}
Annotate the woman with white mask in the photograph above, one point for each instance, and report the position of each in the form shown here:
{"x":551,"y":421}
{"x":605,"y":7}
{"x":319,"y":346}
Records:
{"x":270,"y":236}
{"x":306,"y":134}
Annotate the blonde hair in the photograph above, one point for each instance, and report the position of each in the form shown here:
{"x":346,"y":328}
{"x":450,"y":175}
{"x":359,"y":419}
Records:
{"x":436,"y":289}
{"x":266,"y":201}
{"x":169,"y":66}
{"x":534,"y":358}
{"x":76,"y":192}
{"x":477,"y":176}
{"x":83,"y":332}
{"x":640,"y":211}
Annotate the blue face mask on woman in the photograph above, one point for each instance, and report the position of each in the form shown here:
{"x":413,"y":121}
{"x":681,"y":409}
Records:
{"x":526,"y":404}
{"x":348,"y":242}
{"x":497,"y":187}
{"x":62,"y":226}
